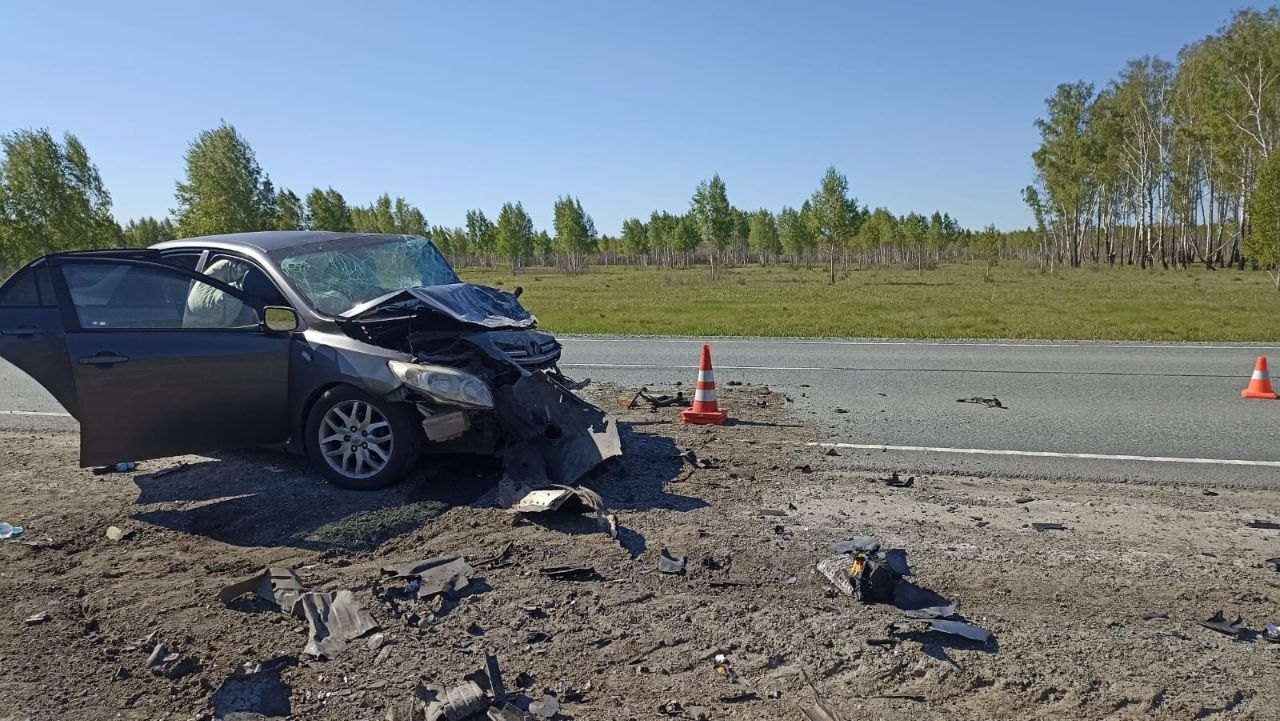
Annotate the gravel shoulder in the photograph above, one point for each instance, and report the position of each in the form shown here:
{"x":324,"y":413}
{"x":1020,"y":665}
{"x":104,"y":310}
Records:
{"x":1066,"y":607}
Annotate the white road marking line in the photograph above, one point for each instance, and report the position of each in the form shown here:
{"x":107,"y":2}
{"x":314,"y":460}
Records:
{"x":54,"y":414}
{"x":1006,"y":371}
{"x":1090,"y":345}
{"x":1049,"y":454}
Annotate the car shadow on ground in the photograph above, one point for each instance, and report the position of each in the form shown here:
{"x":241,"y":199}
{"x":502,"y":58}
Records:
{"x":265,"y":499}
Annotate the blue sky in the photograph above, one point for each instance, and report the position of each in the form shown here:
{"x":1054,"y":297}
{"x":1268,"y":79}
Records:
{"x":924,"y":105}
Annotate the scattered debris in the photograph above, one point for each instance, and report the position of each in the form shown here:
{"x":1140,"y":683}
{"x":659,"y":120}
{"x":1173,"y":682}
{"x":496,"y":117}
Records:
{"x":771,"y":512}
{"x":743,"y":697}
{"x":840,"y":410}
{"x":727,"y":584}
{"x":117,"y":534}
{"x":158,"y":655}
{"x":171,"y":470}
{"x":704,"y":463}
{"x":832,"y":452}
{"x":124,"y":467}
{"x":867,"y":576}
{"x":992,"y":402}
{"x":376,"y":642}
{"x":37,"y":619}
{"x":442,"y":575}
{"x":806,"y":468}
{"x":1154,"y":615}
{"x":1208,"y":492}
{"x":9,"y":531}
{"x":932,"y":612}
{"x":1268,"y":525}
{"x":1048,"y":526}
{"x":668,"y":563}
{"x":1274,"y":563}
{"x":334,"y":617}
{"x":1023,"y":499}
{"x":1220,"y":624}
{"x":733,"y":383}
{"x":722,"y":667}
{"x":895,"y":481}
{"x":656,"y":402}
{"x":507,"y":712}
{"x":954,"y":628}
{"x":1271,"y":633}
{"x":503,"y":557}
{"x":547,"y":708}
{"x":571,"y":573}
{"x":457,"y":702}
{"x":865,"y":544}
{"x":568,"y":498}
{"x":882,"y":642}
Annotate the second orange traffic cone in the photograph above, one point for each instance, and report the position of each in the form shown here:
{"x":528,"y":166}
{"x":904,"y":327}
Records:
{"x":1260,"y":383}
{"x":706,"y":409}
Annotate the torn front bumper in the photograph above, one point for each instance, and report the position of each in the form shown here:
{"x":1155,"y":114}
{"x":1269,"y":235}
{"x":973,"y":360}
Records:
{"x":552,"y":435}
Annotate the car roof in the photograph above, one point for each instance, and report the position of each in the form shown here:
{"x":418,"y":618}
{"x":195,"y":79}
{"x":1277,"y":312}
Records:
{"x":267,"y":241}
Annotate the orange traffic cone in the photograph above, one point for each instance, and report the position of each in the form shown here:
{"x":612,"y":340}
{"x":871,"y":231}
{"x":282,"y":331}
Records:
{"x":705,"y":410}
{"x":1260,"y":383}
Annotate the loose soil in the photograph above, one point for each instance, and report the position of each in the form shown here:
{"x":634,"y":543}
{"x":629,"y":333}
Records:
{"x":1066,"y":607}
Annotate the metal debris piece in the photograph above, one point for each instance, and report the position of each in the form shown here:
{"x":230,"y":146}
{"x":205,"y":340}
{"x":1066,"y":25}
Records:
{"x":992,"y":402}
{"x":570,"y":573}
{"x":1048,"y":526}
{"x":960,"y":628}
{"x":743,"y":697}
{"x":1220,"y":624}
{"x":668,"y":563}
{"x":1268,"y":525}
{"x":896,"y":558}
{"x":37,"y":619}
{"x":547,"y":708}
{"x":494,"y":674}
{"x":452,"y":704}
{"x":442,"y":575}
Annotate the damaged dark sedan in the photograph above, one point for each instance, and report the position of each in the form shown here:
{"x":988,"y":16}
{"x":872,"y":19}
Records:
{"x":362,"y":351}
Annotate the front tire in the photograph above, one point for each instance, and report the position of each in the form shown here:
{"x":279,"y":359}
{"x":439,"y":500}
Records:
{"x":359,"y":443}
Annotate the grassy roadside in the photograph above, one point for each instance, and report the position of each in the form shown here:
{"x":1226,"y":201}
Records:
{"x":952,"y":301}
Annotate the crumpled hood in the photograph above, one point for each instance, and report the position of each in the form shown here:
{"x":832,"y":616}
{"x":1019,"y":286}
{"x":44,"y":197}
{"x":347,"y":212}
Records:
{"x":465,"y":303}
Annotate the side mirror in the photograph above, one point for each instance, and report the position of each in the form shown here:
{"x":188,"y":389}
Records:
{"x":279,"y":320}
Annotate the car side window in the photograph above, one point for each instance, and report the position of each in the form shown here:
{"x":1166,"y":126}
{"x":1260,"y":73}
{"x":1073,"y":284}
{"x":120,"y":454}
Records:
{"x":125,"y":296}
{"x":246,"y":276}
{"x":28,"y":287}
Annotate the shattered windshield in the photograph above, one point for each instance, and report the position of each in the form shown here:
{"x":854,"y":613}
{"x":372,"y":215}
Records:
{"x":340,"y":275}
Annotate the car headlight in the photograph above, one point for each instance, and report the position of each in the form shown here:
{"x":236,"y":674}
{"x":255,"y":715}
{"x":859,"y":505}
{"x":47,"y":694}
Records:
{"x":446,"y":385}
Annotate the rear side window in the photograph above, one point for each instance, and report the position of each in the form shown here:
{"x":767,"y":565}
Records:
{"x":28,"y":287}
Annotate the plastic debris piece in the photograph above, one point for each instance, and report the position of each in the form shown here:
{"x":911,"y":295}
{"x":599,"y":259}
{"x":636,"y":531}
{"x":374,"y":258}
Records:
{"x":866,"y":544}
{"x":435,"y":576}
{"x":1220,"y":624}
{"x":932,"y":612}
{"x":570,"y":573}
{"x":1048,"y":526}
{"x":452,"y":704}
{"x":334,"y":618}
{"x":1272,"y":632}
{"x":895,"y":481}
{"x":157,"y":655}
{"x":9,"y":531}
{"x":37,"y":619}
{"x":507,"y":712}
{"x":992,"y":402}
{"x":547,"y":708}
{"x":1269,"y":525}
{"x":280,"y":586}
{"x":960,"y":628}
{"x":1154,"y":615}
{"x":668,"y":563}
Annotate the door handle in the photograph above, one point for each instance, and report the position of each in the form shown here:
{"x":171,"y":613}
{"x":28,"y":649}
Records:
{"x":23,"y":331}
{"x":105,"y":358}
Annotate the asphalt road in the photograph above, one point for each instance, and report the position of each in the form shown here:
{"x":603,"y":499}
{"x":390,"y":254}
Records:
{"x":1159,"y":413}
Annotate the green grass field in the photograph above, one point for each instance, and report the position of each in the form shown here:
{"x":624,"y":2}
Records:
{"x":951,"y":301}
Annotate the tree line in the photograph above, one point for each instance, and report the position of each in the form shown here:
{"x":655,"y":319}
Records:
{"x":52,"y":198}
{"x":1168,"y":162}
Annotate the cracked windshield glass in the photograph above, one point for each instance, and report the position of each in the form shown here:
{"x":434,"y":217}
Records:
{"x":338,"y":276}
